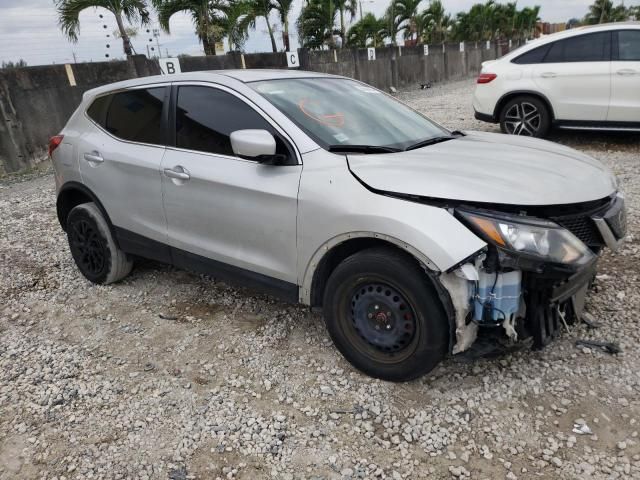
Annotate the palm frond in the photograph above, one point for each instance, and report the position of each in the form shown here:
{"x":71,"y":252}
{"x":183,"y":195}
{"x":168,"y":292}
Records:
{"x":69,"y":14}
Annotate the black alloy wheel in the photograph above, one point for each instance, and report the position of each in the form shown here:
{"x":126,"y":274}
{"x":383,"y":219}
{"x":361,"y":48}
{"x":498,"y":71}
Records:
{"x":87,"y":248}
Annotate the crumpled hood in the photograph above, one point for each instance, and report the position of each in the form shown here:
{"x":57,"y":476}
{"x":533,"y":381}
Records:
{"x":489,"y":168}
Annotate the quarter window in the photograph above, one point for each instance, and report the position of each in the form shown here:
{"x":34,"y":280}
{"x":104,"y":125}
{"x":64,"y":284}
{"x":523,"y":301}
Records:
{"x":533,"y":56}
{"x":629,"y":45}
{"x":98,"y":109}
{"x":206,"y":116}
{"x":594,"y":47}
{"x":134,"y":115}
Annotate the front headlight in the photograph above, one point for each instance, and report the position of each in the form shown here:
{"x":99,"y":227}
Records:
{"x":529,"y":236}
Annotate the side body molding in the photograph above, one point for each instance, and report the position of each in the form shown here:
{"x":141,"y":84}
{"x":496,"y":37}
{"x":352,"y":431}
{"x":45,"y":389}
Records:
{"x":334,"y":207}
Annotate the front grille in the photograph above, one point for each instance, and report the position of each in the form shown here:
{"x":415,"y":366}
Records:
{"x":582,"y":227}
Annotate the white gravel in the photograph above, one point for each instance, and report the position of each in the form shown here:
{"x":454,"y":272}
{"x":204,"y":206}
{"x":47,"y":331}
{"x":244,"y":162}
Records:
{"x":94,"y":384}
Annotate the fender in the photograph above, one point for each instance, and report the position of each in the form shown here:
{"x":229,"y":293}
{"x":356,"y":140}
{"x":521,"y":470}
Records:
{"x":503,"y":98}
{"x":63,"y":210}
{"x":326,"y":247}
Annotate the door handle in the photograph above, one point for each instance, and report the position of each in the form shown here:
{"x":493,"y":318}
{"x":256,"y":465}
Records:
{"x":181,"y":174}
{"x":93,"y":157}
{"x":548,"y":74}
{"x":626,"y":71}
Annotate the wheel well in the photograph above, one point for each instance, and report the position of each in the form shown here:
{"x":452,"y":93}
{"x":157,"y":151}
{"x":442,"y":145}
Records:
{"x":337,"y":254}
{"x":72,"y":195}
{"x":501,"y":103}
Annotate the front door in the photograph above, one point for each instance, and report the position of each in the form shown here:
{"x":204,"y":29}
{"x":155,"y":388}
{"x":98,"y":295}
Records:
{"x":625,"y":78}
{"x":237,"y":213}
{"x":576,"y":77}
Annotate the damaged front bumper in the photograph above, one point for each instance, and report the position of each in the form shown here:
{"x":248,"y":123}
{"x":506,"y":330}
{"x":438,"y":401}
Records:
{"x":553,"y":300}
{"x":527,"y":297}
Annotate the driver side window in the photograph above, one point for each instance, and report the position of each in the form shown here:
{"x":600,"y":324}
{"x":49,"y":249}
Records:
{"x":206,"y":117}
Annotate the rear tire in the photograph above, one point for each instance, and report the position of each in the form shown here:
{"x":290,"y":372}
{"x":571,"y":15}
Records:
{"x":525,"y":115}
{"x":93,"y":248}
{"x":384,"y":315}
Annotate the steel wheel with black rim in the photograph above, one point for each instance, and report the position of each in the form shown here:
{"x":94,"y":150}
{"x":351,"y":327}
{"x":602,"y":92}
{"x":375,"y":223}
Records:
{"x":92,"y":246}
{"x":385,"y":316}
{"x":525,"y":115}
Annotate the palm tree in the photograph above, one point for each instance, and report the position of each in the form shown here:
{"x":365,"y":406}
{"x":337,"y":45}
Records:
{"x":434,"y":22}
{"x":284,"y":8}
{"x":134,"y":11}
{"x":208,"y":16}
{"x":261,"y":8}
{"x":392,"y":24}
{"x":528,"y":18}
{"x":235,"y":24}
{"x":603,"y":11}
{"x":346,"y":7}
{"x":367,"y":32}
{"x":406,"y":13}
{"x":316,"y":23}
{"x":505,"y":21}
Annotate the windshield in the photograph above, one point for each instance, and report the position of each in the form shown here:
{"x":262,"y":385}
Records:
{"x":338,"y":113}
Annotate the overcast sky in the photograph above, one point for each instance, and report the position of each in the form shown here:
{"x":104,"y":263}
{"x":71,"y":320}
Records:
{"x":29,"y":30}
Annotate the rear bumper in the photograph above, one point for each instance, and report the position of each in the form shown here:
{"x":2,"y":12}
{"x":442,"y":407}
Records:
{"x":484,"y":117}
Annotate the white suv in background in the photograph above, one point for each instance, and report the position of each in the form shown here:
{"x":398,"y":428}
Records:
{"x":585,"y":78}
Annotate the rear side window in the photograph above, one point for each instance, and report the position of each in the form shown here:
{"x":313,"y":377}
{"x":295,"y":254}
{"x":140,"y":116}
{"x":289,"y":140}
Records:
{"x":594,"y":47}
{"x":205,"y":118}
{"x":533,"y":56}
{"x":134,"y":115}
{"x":98,"y":110}
{"x":629,"y":45}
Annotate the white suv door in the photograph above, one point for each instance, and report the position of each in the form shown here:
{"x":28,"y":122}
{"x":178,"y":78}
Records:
{"x":625,"y":77}
{"x":576,"y":77}
{"x":222,"y":207}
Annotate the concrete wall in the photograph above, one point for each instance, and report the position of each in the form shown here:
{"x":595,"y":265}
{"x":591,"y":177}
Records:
{"x":35,"y":102}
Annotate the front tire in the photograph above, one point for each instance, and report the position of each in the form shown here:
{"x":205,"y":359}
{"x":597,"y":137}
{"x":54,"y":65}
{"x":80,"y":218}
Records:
{"x":385,"y":316}
{"x":525,"y":115}
{"x":93,"y":248}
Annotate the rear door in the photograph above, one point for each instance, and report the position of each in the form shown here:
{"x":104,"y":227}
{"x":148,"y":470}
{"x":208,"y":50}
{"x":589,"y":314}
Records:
{"x":625,"y":77}
{"x":220,"y":207}
{"x":576,"y":77}
{"x":120,"y":155}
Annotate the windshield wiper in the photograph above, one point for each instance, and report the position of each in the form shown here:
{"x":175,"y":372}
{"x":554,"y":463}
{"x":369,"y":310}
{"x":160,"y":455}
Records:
{"x":362,"y":149}
{"x":430,"y":141}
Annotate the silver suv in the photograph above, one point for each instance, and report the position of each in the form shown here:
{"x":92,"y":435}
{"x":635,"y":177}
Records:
{"x":417,"y":242}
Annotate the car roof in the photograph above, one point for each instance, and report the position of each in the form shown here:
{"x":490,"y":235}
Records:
{"x":220,"y":76}
{"x":572,"y":32}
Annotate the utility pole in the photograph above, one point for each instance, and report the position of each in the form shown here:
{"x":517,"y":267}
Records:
{"x":156,"y":33}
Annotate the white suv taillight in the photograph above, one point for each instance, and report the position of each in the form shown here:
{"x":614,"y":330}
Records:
{"x":486,"y":77}
{"x":54,"y":142}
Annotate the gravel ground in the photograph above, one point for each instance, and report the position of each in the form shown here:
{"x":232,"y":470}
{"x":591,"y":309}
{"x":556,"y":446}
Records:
{"x":229,"y":384}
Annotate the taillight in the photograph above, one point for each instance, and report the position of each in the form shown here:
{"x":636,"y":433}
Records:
{"x":54,"y":142}
{"x":486,"y":77}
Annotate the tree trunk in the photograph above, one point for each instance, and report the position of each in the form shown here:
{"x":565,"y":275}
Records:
{"x":285,"y":34}
{"x":207,"y":47}
{"x":273,"y":40}
{"x":342,"y":29}
{"x":126,"y":42}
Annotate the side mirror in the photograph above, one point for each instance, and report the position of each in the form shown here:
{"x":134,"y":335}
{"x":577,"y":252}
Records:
{"x":256,"y":145}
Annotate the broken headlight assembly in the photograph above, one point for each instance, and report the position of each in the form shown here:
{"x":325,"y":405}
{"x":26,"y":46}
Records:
{"x":533,"y":238}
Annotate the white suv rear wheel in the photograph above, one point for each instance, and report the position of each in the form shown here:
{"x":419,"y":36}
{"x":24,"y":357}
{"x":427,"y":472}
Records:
{"x":525,"y":115}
